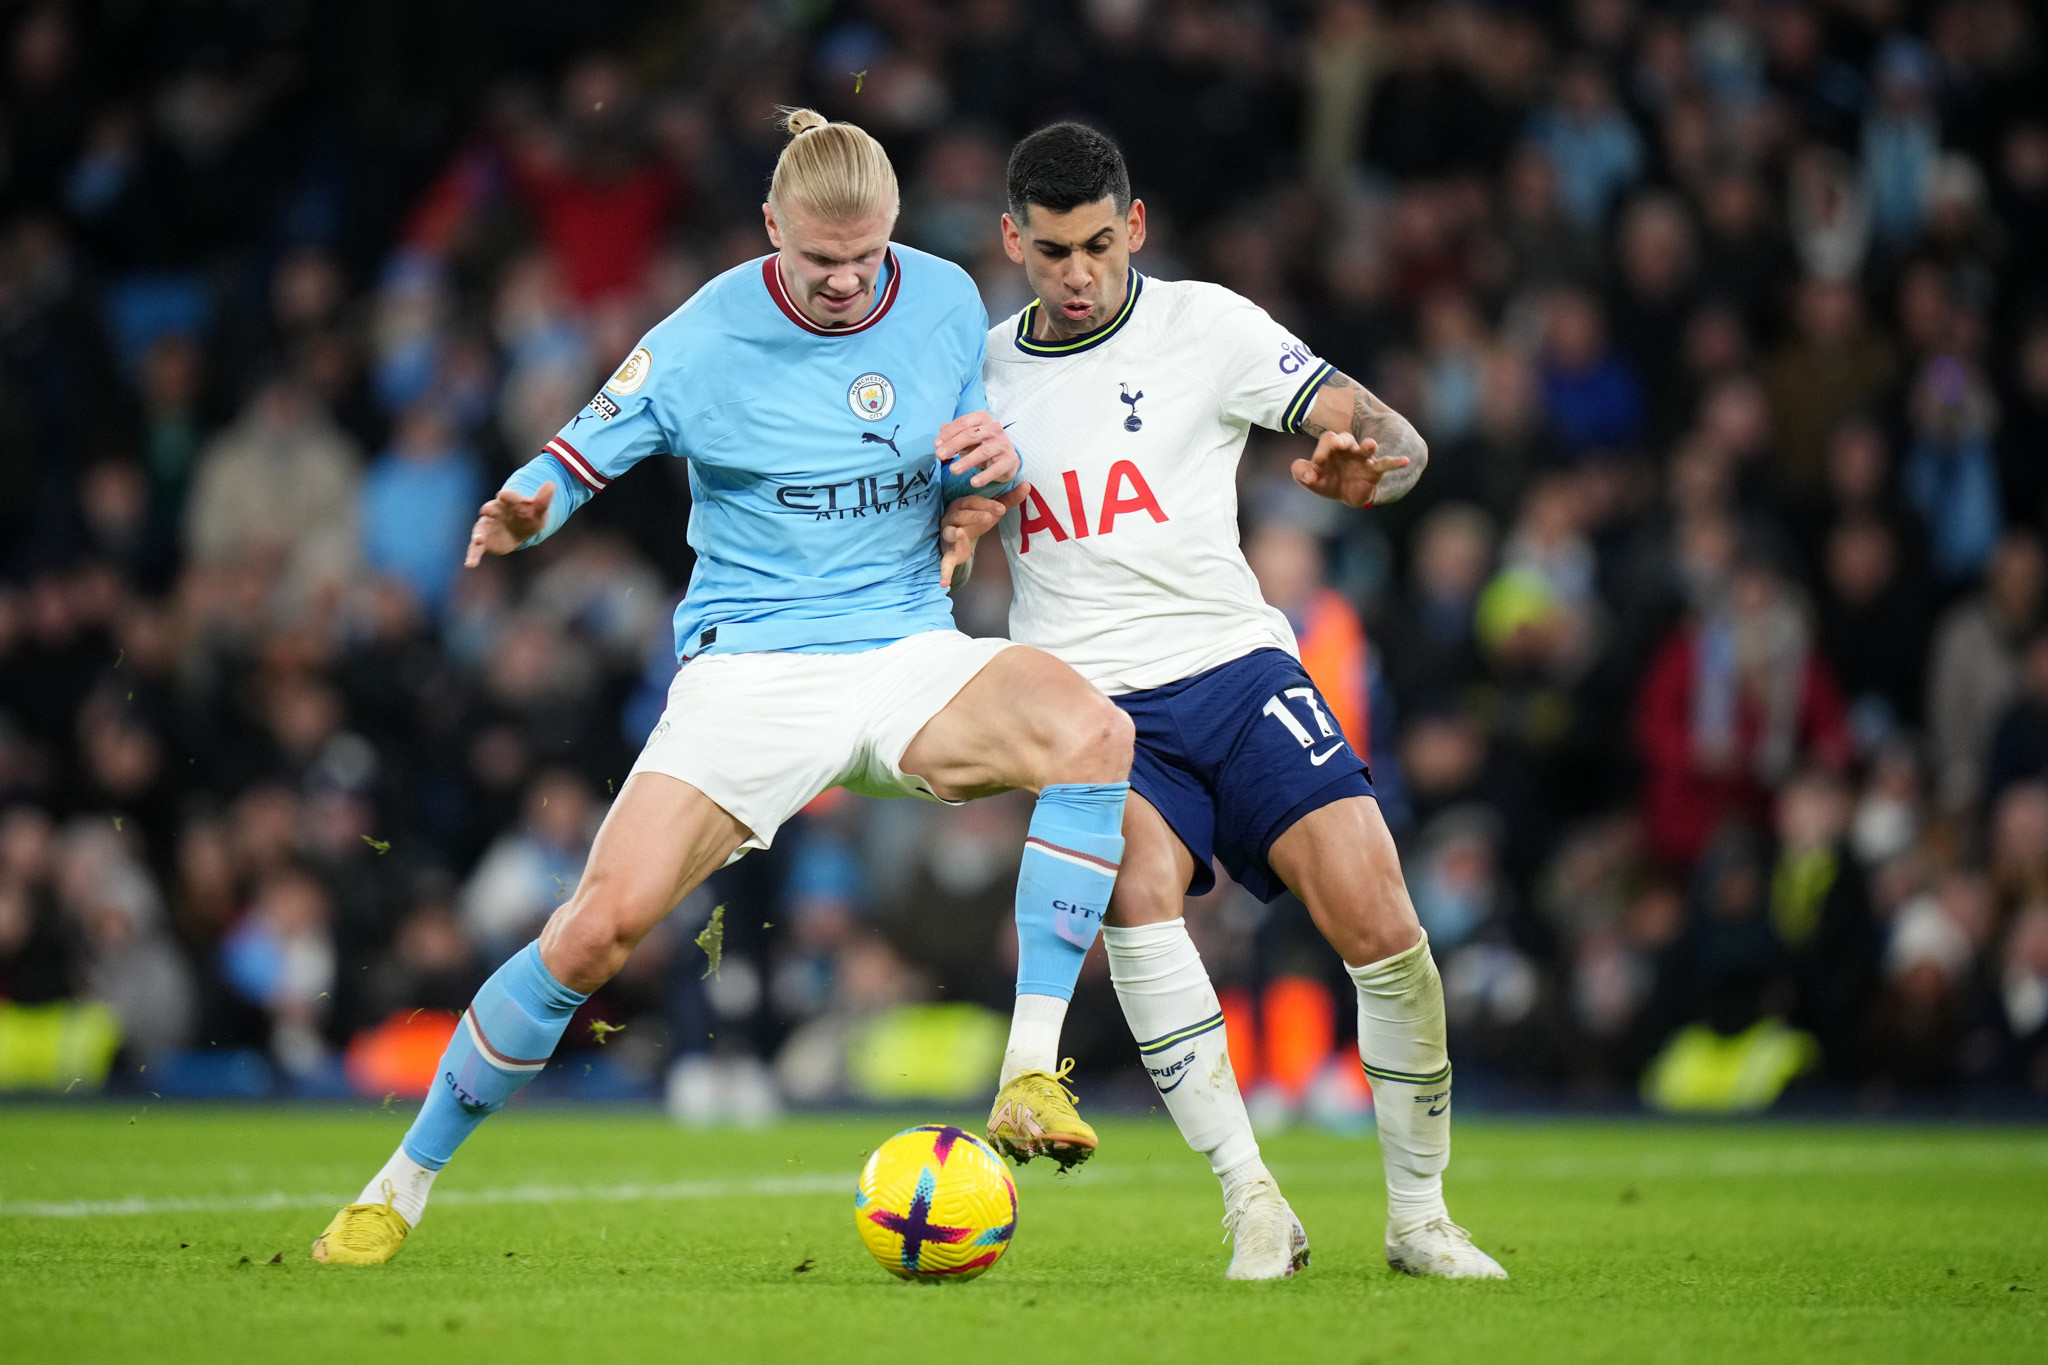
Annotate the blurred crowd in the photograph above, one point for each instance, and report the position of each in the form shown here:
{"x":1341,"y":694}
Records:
{"x":1705,"y":675}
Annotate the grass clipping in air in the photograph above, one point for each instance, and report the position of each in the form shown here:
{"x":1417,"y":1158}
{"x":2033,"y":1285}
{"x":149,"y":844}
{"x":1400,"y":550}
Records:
{"x":712,"y":940}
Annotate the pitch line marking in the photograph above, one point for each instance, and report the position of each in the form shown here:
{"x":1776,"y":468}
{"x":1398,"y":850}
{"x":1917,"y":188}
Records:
{"x":1736,"y":1163}
{"x":509,"y":1194}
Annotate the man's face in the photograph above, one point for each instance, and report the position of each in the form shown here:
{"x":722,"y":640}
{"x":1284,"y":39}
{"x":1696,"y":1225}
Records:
{"x":1078,"y":262}
{"x":830,"y":268}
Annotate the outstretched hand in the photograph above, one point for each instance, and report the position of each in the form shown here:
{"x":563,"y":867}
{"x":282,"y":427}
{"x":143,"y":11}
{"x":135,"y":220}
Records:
{"x":1345,"y":469}
{"x":966,"y":521}
{"x":507,"y":522}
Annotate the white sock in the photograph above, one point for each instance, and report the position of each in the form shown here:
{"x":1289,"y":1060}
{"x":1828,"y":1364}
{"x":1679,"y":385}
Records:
{"x":1249,"y":1171}
{"x":1401,"y":1043}
{"x":410,"y":1183}
{"x":1034,"y":1036}
{"x":1171,"y":1007}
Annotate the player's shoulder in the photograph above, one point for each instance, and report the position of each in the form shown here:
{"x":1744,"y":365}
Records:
{"x":934,"y":283}
{"x":722,"y":306}
{"x":698,"y":336}
{"x":1179,"y":302}
{"x":741,"y":292}
{"x":1001,"y":337}
{"x":934,"y":272}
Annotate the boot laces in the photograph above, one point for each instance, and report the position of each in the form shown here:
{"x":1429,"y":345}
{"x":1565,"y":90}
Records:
{"x":1264,"y":1232}
{"x":1055,"y":1081}
{"x":365,"y":1232}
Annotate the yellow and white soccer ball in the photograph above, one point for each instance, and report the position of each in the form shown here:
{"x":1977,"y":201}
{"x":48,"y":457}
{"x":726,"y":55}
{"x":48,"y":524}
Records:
{"x":935,"y":1204}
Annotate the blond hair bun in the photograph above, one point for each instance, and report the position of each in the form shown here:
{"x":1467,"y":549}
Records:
{"x":797,"y":122}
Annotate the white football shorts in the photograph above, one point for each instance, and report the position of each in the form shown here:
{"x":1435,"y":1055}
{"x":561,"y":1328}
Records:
{"x":763,"y":733}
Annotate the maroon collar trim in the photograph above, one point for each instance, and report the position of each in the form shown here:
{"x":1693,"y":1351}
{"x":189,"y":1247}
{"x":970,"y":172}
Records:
{"x":772,"y":277}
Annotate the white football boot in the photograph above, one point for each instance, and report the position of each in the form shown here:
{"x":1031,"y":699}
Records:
{"x":1267,"y":1239}
{"x":1441,"y":1248}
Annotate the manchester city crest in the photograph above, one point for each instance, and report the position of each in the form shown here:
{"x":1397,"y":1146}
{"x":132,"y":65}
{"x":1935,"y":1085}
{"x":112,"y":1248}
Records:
{"x":872,"y":397}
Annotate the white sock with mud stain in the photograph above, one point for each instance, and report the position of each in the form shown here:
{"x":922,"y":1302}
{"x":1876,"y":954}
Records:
{"x":1401,"y":1043}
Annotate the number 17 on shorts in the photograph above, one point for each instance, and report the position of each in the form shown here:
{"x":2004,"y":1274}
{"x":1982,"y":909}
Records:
{"x":1325,"y":743}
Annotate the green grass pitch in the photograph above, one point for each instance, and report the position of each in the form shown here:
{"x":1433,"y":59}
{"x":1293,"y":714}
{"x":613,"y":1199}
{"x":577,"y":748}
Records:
{"x":585,"y":1236}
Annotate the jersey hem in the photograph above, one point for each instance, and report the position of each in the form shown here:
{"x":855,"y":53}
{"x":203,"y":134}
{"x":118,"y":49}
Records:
{"x":758,"y":637}
{"x":1122,"y":681}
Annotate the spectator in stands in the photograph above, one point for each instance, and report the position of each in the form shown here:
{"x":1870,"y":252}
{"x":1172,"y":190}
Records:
{"x":1820,"y":910}
{"x":1732,"y":702}
{"x":1591,"y":394}
{"x":2023,"y":996}
{"x":418,"y":500}
{"x":1832,"y":368}
{"x":531,"y":869}
{"x":1431,"y":649}
{"x":278,"y":489}
{"x":601,"y":202}
{"x":280,"y":958}
{"x":1950,"y":475}
{"x":2019,"y":743}
{"x":1595,"y":149}
{"x":1973,"y":673}
{"x":126,"y":960}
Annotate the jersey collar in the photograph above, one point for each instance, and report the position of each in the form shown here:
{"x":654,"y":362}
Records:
{"x":1075,"y":345}
{"x":773,"y":279}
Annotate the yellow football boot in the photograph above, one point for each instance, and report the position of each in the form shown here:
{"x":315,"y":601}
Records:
{"x":1034,"y":1115}
{"x":363,"y":1234}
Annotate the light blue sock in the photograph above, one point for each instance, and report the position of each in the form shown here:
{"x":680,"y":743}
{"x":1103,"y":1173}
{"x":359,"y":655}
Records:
{"x":1070,"y":860}
{"x":505,"y":1038}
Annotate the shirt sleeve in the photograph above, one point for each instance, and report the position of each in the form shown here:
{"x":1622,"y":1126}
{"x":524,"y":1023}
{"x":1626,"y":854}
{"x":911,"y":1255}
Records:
{"x":616,"y":430}
{"x":1264,"y":375}
{"x":973,"y":398}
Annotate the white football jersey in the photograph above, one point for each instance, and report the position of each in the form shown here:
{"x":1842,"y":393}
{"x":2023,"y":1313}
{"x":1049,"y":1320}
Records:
{"x":1125,"y":558}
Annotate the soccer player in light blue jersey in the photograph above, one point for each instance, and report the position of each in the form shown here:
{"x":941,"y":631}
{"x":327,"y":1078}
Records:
{"x":829,"y":401}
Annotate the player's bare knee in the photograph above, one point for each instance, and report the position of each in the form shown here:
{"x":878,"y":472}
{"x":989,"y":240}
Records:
{"x":1381,"y":940}
{"x":1142,"y":907}
{"x":1096,"y":745}
{"x":590,"y":938}
{"x":1369,"y":922}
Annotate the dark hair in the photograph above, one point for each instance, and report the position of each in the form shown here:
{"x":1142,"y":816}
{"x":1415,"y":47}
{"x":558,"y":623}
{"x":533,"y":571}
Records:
{"x":1065,"y":165}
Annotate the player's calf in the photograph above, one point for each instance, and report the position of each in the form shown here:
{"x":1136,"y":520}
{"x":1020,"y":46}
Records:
{"x":504,"y":1039}
{"x":1172,"y":1010}
{"x":1027,"y":720}
{"x":660,"y":839}
{"x":1071,"y":854}
{"x":1342,"y":862}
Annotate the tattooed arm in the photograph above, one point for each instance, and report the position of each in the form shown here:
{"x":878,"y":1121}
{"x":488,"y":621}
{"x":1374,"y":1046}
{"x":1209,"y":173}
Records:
{"x":1366,"y":453}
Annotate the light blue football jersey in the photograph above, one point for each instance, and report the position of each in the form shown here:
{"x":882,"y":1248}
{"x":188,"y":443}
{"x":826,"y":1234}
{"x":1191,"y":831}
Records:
{"x":816,"y":495}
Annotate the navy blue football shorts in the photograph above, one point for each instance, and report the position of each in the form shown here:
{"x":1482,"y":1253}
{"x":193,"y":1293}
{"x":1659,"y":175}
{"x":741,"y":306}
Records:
{"x":1234,"y":756}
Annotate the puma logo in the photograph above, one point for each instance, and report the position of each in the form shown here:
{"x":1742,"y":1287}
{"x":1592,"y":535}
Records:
{"x":877,"y":438}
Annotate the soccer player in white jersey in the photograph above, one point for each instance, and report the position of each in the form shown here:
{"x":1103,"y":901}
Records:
{"x":829,"y":399}
{"x":1130,"y":400}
